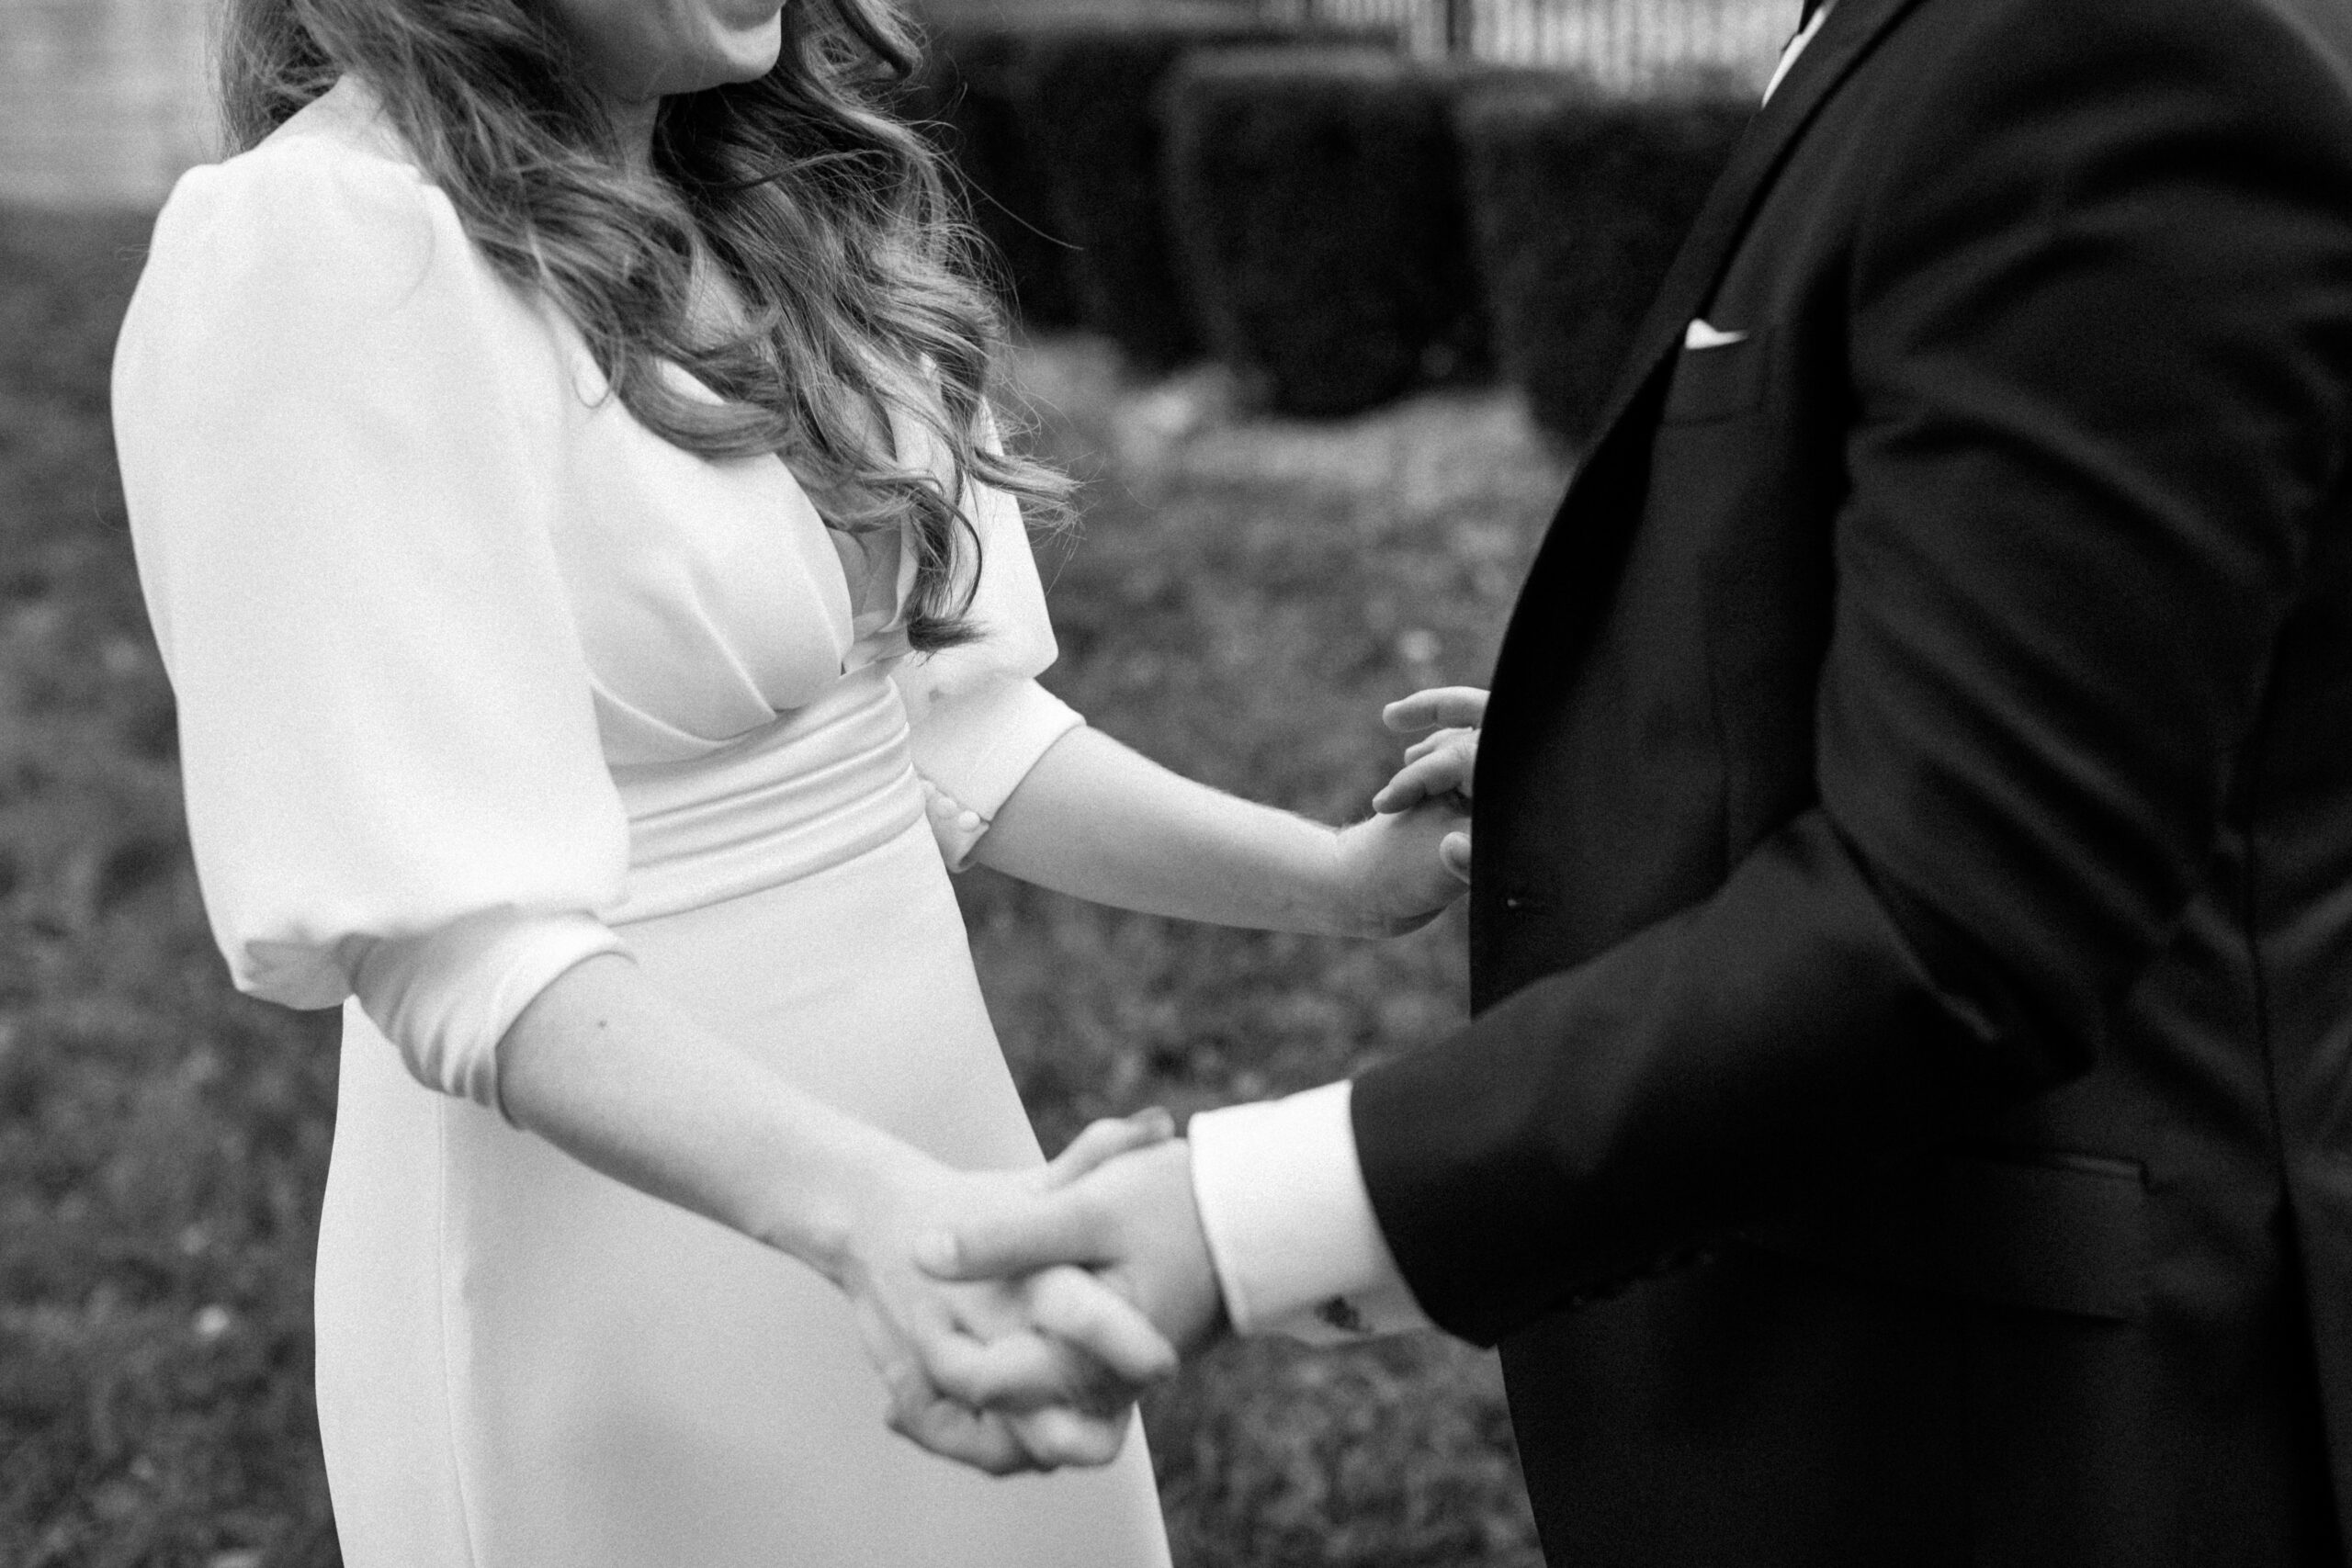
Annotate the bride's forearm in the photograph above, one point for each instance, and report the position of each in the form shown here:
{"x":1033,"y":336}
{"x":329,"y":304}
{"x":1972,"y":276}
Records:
{"x":602,"y":1067}
{"x":1100,"y":821}
{"x":607,"y":1069}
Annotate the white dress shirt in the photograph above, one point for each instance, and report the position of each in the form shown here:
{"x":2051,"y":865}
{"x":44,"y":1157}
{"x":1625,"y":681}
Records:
{"x":1281,"y":1190}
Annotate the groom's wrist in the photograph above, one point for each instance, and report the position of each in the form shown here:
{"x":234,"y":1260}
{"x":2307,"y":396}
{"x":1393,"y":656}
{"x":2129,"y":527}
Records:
{"x":1290,"y":1228}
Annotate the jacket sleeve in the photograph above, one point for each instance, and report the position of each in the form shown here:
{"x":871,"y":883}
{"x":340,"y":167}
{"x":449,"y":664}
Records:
{"x":2100,"y":330}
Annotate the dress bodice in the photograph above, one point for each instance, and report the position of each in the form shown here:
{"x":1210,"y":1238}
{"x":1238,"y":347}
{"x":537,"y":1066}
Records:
{"x":428,"y":596}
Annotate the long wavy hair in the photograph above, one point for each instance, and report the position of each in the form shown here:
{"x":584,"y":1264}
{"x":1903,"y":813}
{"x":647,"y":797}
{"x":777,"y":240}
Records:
{"x":827,"y":215}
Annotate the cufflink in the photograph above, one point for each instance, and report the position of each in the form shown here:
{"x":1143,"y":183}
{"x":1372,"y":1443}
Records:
{"x":1341,"y":1313}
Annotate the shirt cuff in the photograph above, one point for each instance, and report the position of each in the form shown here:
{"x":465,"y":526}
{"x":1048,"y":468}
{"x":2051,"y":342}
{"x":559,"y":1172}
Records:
{"x":447,"y":999}
{"x":971,"y":750}
{"x":1290,"y":1226}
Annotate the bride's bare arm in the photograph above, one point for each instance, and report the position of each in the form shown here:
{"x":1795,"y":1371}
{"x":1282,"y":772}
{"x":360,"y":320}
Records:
{"x":607,"y":1069}
{"x":1098,"y":820}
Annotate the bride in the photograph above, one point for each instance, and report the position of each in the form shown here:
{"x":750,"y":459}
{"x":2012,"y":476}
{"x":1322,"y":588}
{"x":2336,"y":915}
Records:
{"x":559,"y":458}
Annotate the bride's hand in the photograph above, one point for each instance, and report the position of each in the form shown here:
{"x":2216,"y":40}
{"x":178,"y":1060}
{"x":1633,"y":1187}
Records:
{"x":1103,"y":1141}
{"x":1010,"y":1375}
{"x":1394,"y":871}
{"x":1441,"y":764}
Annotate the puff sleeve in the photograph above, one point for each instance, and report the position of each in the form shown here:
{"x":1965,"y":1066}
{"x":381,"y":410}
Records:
{"x":977,"y":717}
{"x":340,"y":459}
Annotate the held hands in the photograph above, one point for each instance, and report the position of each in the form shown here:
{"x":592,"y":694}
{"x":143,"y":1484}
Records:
{"x":1412,"y":858}
{"x":1004,"y":1374}
{"x":1441,"y":765}
{"x":1131,"y":1219}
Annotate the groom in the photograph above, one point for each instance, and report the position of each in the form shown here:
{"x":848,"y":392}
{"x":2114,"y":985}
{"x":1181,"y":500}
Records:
{"x":1908,"y":1117}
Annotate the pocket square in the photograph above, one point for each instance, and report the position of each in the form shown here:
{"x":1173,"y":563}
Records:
{"x":1701,"y":333}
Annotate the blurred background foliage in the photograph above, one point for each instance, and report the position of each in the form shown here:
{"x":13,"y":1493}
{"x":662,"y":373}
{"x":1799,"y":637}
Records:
{"x":1335,"y":215}
{"x":1210,"y":221}
{"x":162,"y":1140}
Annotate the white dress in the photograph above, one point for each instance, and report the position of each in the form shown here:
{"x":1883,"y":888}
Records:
{"x":475,"y":677}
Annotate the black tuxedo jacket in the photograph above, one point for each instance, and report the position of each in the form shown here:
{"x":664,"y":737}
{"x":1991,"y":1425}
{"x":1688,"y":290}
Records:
{"x":1908,"y":1116}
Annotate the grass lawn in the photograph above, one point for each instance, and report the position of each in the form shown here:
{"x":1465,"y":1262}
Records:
{"x":1242,"y":598}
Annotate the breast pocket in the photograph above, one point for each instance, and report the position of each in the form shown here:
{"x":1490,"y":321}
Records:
{"x":1720,"y":380}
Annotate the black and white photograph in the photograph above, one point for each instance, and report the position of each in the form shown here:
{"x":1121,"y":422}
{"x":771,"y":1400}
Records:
{"x":746,"y":818}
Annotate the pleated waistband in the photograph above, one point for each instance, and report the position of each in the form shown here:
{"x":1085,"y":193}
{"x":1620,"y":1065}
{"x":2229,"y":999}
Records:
{"x":824,"y":784}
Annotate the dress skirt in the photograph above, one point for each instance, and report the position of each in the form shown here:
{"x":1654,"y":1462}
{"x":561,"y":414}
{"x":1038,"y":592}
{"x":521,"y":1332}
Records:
{"x":524,"y":1364}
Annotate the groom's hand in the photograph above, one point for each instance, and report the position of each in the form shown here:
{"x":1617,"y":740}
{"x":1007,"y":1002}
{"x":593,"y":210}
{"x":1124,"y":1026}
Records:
{"x":1010,"y":1375}
{"x":1004,"y":1375}
{"x":1132,"y":1221}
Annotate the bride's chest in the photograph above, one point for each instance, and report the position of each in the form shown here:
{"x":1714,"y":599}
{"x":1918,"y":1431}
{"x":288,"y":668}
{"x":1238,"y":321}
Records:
{"x":708,"y":595}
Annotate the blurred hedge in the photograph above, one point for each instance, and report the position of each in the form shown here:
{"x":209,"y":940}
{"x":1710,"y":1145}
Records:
{"x":1087,"y":97}
{"x":1317,"y":198}
{"x":1333,"y":220}
{"x":965,"y":93}
{"x":1579,"y":200}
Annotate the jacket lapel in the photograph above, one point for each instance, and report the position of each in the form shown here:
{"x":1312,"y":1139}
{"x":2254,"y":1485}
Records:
{"x":1573,"y":571}
{"x":1601,"y":505}
{"x":1847,"y":36}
